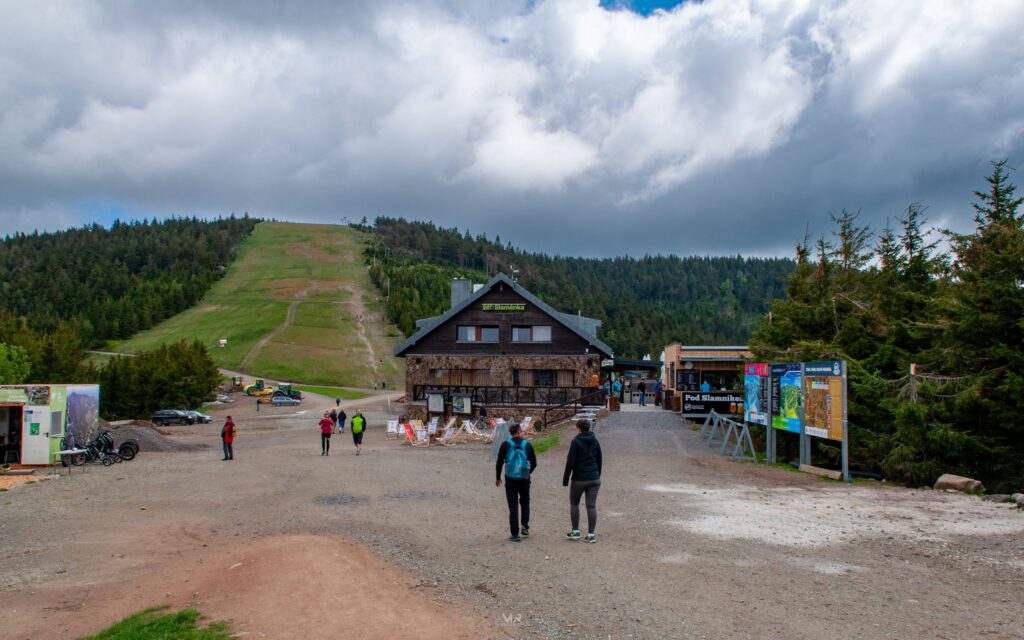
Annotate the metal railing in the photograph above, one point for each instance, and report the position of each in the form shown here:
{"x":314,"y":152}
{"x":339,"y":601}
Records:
{"x":595,"y":397}
{"x":504,"y":396}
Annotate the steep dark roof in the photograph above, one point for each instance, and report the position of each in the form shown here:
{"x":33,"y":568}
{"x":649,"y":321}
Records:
{"x":577,"y":324}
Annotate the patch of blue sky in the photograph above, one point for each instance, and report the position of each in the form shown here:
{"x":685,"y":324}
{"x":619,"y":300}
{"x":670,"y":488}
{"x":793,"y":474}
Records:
{"x":642,"y":7}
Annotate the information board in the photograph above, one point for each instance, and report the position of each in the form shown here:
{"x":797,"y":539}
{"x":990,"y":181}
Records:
{"x":756,"y":382}
{"x":435,"y":402}
{"x":825,"y":386}
{"x":787,"y":397}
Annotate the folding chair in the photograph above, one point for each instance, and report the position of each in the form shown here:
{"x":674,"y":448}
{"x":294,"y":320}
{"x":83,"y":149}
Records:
{"x":446,"y":439}
{"x":432,"y":426}
{"x":422,"y":439}
{"x":410,"y":435}
{"x":392,"y":431}
{"x":526,"y":426}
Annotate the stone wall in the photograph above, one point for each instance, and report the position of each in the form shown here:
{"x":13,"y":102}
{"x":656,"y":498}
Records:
{"x":417,"y":367}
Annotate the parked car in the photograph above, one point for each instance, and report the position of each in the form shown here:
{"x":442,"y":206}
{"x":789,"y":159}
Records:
{"x":201,"y":418}
{"x":171,"y":416}
{"x":284,"y":400}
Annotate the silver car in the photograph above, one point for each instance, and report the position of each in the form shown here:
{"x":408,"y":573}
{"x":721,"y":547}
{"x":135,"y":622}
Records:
{"x":197,"y":417}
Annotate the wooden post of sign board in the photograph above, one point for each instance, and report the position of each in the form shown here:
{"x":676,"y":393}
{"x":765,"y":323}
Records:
{"x":846,"y":432}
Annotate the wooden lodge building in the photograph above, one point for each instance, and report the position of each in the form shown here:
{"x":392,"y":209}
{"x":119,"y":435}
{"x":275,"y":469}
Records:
{"x":501,"y":346}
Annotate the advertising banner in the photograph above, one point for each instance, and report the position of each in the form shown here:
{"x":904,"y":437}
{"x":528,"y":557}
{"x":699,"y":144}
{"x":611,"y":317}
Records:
{"x":824,"y":416}
{"x":787,"y":397}
{"x":462,"y":404}
{"x":756,"y":382}
{"x":702,"y":403}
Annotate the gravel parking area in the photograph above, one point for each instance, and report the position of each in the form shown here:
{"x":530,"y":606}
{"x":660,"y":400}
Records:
{"x":690,"y":545}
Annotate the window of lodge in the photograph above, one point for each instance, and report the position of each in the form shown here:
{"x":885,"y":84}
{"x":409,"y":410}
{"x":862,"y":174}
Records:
{"x":536,"y":333}
{"x":473,"y":333}
{"x":543,"y":378}
{"x":461,"y":377}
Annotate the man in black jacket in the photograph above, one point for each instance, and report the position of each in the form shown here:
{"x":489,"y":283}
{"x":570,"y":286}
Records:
{"x":520,"y":461}
{"x":583,"y":464}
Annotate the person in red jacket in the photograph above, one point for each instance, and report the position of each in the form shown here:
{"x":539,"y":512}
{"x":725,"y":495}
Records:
{"x":227,"y":434}
{"x":326,"y":427}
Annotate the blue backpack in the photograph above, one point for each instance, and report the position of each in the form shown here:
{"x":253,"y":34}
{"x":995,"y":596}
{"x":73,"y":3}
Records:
{"x":517,"y":466}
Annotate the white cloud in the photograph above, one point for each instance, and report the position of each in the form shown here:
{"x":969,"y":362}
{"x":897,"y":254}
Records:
{"x":550,"y":115}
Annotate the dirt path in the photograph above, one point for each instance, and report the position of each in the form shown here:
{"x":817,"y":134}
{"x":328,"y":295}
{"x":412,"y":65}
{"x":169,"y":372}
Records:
{"x":249,"y":357}
{"x":690,"y":545}
{"x":359,"y":311}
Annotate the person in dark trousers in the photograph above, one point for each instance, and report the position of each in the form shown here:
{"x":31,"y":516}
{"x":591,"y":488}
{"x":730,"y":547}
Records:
{"x":642,"y":388}
{"x":519,"y":460}
{"x":334,"y":419}
{"x":337,"y":402}
{"x":358,"y":428}
{"x":482,"y":413}
{"x":583,"y":467}
{"x":227,"y":435}
{"x":326,"y":428}
{"x":257,"y":405}
{"x":341,"y":420}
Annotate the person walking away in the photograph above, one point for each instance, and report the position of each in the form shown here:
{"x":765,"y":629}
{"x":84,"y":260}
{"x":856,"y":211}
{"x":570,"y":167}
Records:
{"x":482,"y":414}
{"x":657,"y":393}
{"x":326,"y":428}
{"x":337,"y":402}
{"x":642,"y":388}
{"x":519,"y":460}
{"x":583,"y":468}
{"x":227,"y":435}
{"x":341,"y":420}
{"x":358,"y":427}
{"x":334,"y":419}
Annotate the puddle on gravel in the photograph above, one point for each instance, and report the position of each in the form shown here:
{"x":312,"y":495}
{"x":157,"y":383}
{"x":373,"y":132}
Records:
{"x":417,"y":495}
{"x":337,"y":500}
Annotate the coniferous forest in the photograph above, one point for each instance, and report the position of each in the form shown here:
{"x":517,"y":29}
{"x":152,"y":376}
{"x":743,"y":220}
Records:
{"x":71,"y":290}
{"x":951,"y":305}
{"x":645,"y":303}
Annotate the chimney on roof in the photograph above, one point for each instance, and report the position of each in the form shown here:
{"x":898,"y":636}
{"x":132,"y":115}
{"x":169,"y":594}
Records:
{"x":461,"y":289}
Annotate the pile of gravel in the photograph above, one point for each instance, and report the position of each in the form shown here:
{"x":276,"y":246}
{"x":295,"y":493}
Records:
{"x":149,"y":436}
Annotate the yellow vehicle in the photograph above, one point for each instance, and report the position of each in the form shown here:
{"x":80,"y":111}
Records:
{"x":258,"y":389}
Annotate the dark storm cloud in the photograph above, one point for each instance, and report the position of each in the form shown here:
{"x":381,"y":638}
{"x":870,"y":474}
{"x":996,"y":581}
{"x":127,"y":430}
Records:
{"x":717,"y":127}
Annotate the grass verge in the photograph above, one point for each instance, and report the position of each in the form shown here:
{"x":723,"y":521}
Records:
{"x":151,"y":624}
{"x":330,"y":392}
{"x":543,"y":443}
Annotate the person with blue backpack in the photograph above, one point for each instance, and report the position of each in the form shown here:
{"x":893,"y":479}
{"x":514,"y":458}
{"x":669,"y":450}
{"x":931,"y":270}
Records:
{"x":519,"y":460}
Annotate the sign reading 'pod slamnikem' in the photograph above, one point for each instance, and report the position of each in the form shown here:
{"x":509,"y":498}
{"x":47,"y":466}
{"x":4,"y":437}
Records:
{"x":501,"y":308}
{"x":824,"y":399}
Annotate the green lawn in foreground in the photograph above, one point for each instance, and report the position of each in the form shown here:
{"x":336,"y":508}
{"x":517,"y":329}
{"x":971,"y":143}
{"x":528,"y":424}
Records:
{"x":151,"y":625}
{"x":344,"y":394}
{"x":318,"y":269}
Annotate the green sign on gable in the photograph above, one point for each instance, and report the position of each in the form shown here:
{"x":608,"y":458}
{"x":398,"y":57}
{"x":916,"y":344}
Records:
{"x":491,"y":306}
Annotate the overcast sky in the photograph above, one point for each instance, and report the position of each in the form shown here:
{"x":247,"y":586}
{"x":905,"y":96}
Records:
{"x":567,"y":126}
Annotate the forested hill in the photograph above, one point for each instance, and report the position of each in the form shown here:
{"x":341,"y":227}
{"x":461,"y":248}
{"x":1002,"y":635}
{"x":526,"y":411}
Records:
{"x":114,"y":282}
{"x":645,"y":303}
